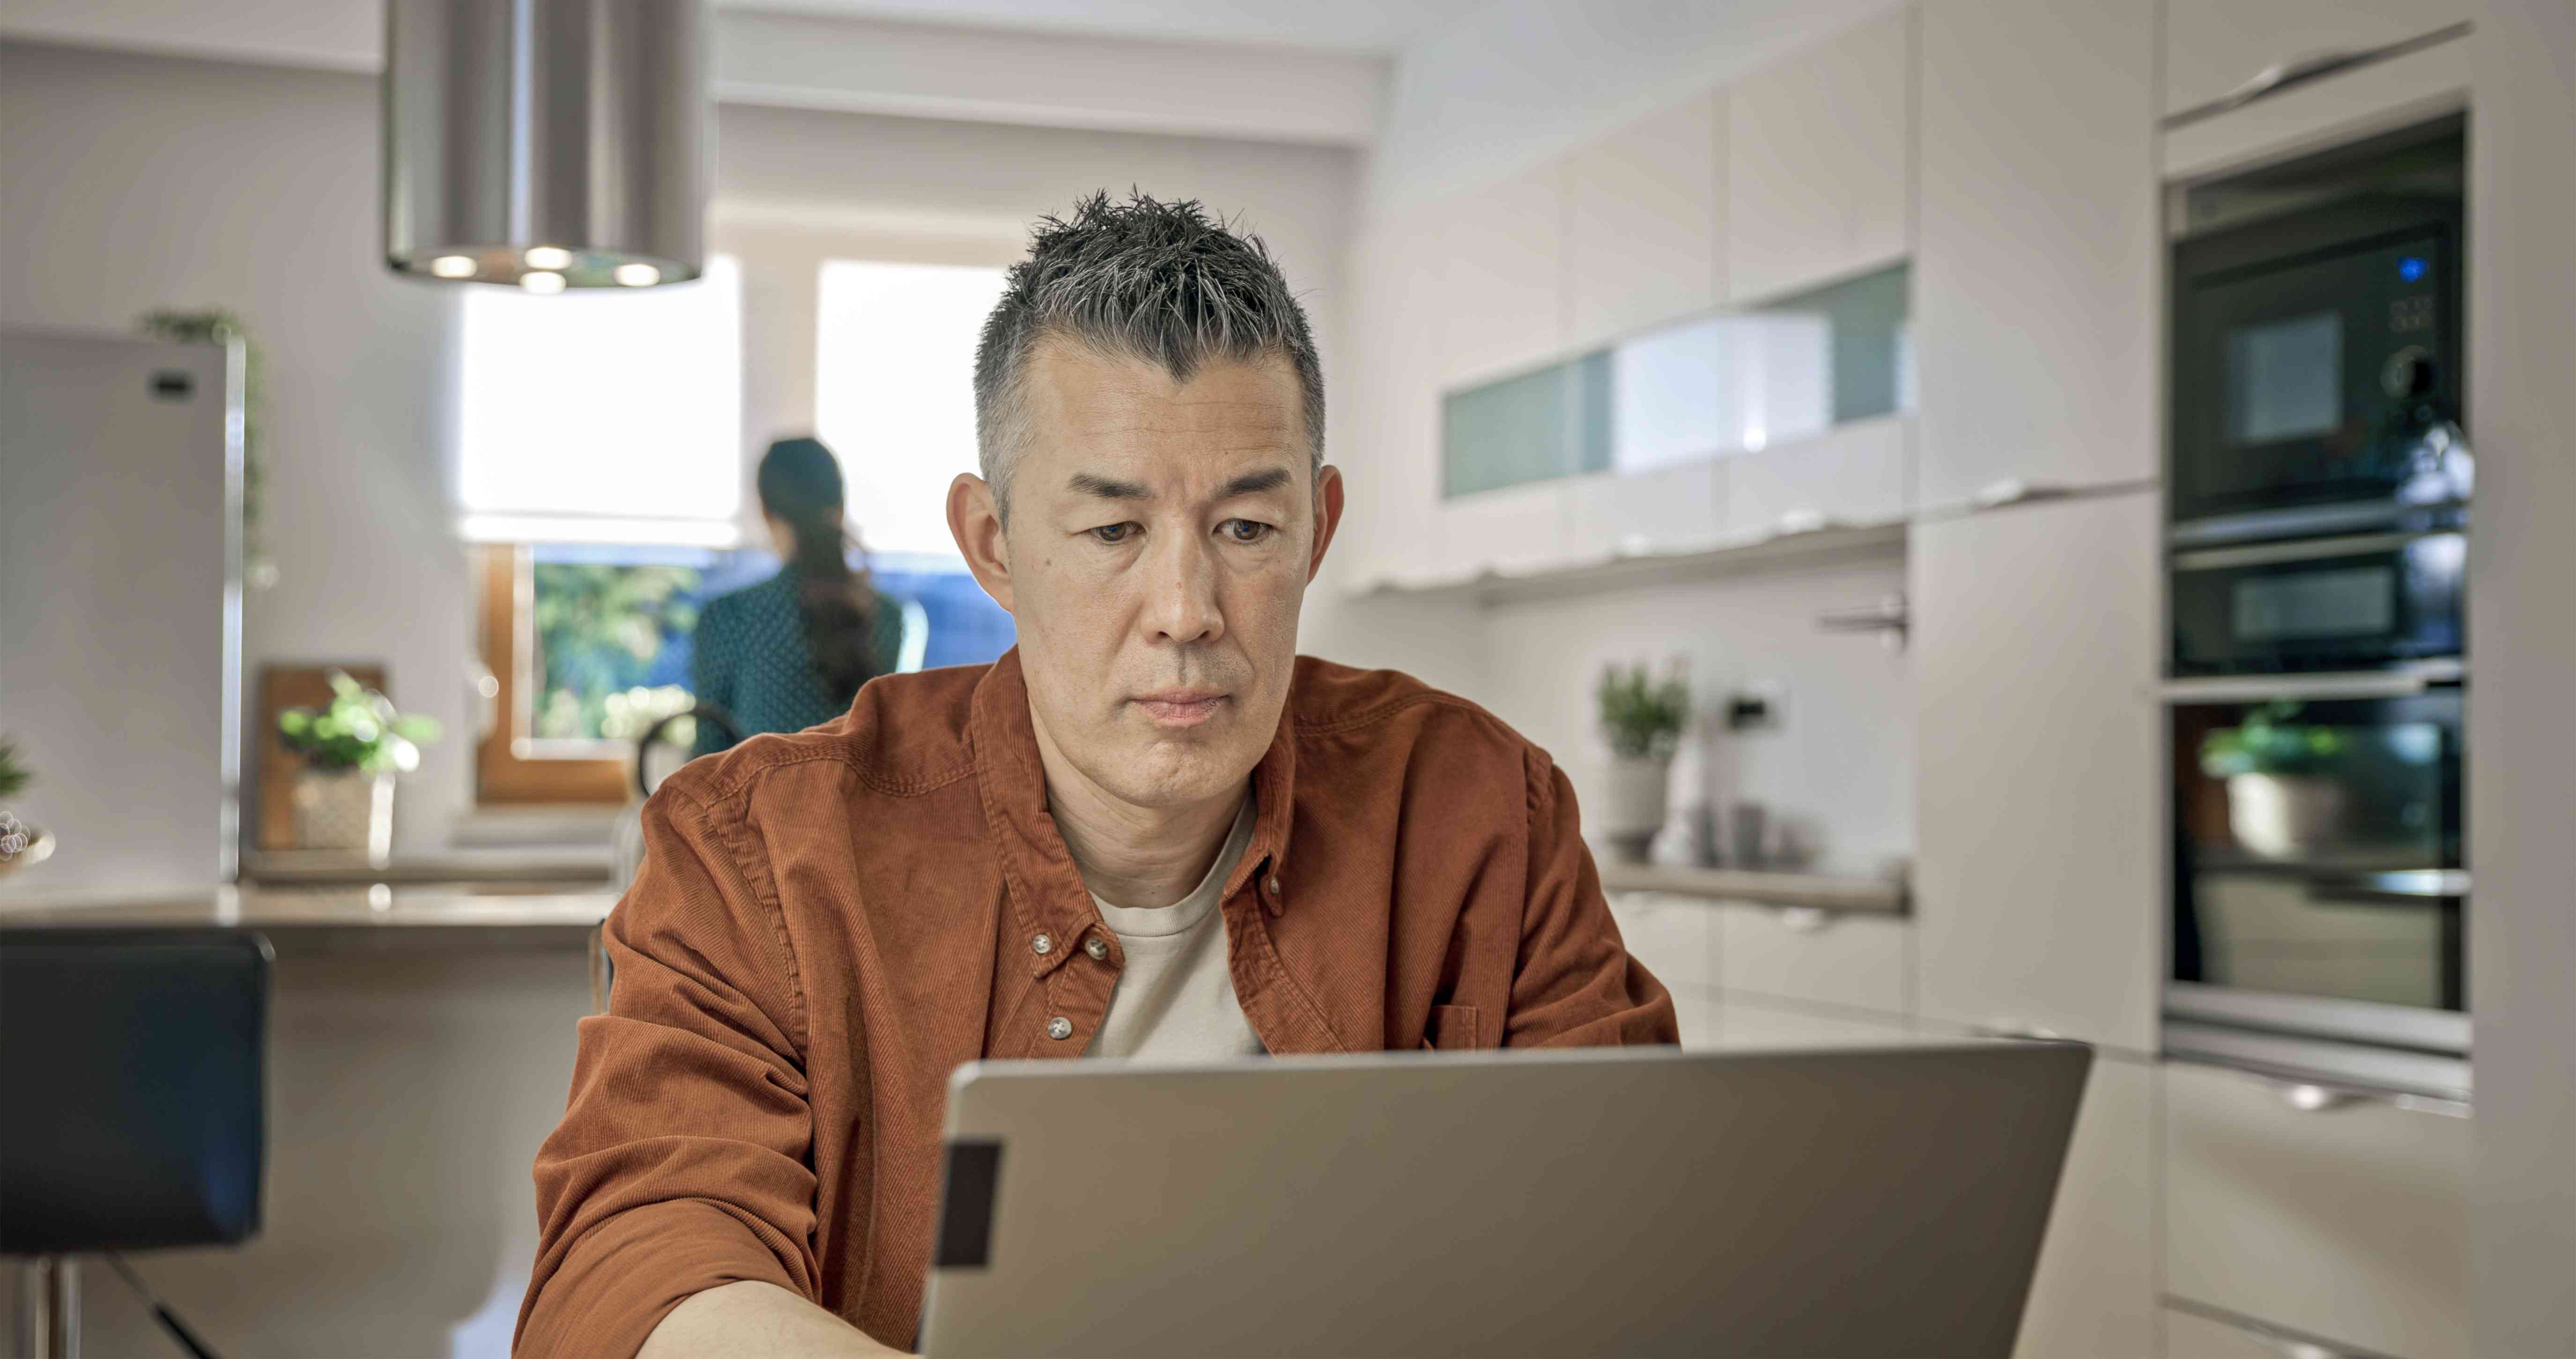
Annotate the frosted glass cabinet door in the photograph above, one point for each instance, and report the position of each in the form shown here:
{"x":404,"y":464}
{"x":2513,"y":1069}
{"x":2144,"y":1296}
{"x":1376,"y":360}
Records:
{"x":1641,"y":210}
{"x":2036,"y":301}
{"x":2038,"y":833}
{"x":1816,"y":150}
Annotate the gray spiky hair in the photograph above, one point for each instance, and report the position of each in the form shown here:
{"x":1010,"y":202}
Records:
{"x":1161,"y":282}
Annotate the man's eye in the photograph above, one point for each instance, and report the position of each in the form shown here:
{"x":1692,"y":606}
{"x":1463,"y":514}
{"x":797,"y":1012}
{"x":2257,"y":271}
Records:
{"x":1113,"y":533}
{"x":1245,"y":530}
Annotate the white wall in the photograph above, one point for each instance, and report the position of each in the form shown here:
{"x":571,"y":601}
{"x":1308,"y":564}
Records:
{"x":136,"y":183}
{"x":1838,"y":762}
{"x":139,"y":181}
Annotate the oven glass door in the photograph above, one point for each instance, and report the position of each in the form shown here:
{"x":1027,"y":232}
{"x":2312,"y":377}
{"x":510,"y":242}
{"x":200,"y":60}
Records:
{"x":2355,"y":602}
{"x":2312,"y":381}
{"x":2318,"y":848}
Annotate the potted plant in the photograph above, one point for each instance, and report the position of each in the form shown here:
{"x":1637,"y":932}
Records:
{"x":21,"y":845}
{"x":2281,"y":802}
{"x":352,"y":747}
{"x":1642,"y":718}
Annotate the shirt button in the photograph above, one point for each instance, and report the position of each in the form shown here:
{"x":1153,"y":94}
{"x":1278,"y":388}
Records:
{"x":1059,"y":1028}
{"x":1044,"y":943}
{"x":1097,"y":947}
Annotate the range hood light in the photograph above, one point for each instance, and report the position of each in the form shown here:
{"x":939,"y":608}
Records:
{"x":564,"y":139}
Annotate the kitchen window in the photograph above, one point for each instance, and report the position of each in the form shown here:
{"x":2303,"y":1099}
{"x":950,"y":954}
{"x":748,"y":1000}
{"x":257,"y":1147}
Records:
{"x":603,"y":477}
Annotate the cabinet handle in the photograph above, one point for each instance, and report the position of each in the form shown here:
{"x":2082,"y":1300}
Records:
{"x":2283,"y":76}
{"x":2319,"y":1097}
{"x":1805,"y":919}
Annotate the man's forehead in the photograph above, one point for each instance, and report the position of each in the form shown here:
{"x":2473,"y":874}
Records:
{"x":1079,"y":391}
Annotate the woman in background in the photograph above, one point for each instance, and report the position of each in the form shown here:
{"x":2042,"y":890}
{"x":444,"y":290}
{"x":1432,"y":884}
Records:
{"x":792,"y":651}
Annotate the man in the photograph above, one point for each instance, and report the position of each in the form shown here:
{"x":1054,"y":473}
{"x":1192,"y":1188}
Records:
{"x":1150,"y":831}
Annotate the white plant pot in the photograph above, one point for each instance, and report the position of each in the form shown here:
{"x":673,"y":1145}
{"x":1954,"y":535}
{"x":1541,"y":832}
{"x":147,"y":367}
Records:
{"x":1636,"y":796}
{"x":349,"y":811}
{"x":2283,"y":816}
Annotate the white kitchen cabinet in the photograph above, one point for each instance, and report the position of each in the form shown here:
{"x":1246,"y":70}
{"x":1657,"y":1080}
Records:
{"x":2038,"y":826}
{"x":1817,"y":957}
{"x":2190,"y":1335}
{"x":1675,"y":937}
{"x":1384,"y":430}
{"x":1641,"y":226}
{"x":2348,"y":1221}
{"x":1502,"y":295}
{"x":1519,"y":530}
{"x":1850,"y":474}
{"x":2214,"y":46}
{"x":2037,"y":308}
{"x":2403,"y":91}
{"x":1816,"y":161}
{"x":1739,"y":1024}
{"x":1681,"y":508}
{"x":2094,"y":1293}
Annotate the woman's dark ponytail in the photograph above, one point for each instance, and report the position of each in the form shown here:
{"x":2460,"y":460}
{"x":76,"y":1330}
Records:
{"x":800,"y":484}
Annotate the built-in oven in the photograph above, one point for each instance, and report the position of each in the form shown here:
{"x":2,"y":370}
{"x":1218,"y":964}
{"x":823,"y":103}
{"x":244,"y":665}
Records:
{"x":2319,"y":887}
{"x":2316,"y":360}
{"x":2389,"y":597}
{"x":2319,"y":485}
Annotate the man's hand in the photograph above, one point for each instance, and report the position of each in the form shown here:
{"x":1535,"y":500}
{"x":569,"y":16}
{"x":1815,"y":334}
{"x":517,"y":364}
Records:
{"x":755,"y":1320}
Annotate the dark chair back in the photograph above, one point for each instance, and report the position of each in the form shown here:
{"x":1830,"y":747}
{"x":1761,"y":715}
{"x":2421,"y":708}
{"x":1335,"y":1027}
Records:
{"x":135,"y":1062}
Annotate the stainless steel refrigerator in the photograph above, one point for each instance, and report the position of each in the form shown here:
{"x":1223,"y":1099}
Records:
{"x":120,"y":609}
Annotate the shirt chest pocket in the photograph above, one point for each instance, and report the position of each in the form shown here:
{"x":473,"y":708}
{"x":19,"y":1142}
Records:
{"x":1452,"y":1029}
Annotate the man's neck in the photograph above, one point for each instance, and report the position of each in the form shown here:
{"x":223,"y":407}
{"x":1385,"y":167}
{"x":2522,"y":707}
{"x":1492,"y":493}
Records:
{"x":1141,"y":857}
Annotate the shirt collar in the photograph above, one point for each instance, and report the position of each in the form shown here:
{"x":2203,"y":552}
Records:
{"x":1046,"y":889}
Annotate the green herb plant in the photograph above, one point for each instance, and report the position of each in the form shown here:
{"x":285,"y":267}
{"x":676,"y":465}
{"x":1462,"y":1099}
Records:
{"x":14,"y":773}
{"x":2269,"y":742}
{"x":358,"y":729}
{"x":1643,"y":717}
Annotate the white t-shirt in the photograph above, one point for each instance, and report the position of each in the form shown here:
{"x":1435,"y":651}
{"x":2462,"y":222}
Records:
{"x":1174,"y":1001}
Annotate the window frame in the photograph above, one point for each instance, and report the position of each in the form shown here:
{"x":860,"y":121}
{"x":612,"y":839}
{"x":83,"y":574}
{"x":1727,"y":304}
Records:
{"x":510,"y":768}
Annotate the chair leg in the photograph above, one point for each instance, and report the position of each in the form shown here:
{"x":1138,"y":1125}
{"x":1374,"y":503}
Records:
{"x":49,"y":1308}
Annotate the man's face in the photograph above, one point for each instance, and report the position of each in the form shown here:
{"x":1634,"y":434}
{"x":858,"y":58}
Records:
{"x":1161,"y":536}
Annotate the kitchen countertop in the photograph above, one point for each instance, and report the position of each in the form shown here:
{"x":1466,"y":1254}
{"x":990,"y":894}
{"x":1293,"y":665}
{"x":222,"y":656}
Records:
{"x":486,"y":917}
{"x":513,"y":867}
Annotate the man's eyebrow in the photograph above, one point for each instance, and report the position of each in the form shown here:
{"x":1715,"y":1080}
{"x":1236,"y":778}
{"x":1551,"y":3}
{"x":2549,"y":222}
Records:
{"x":1253,"y":483}
{"x":1108,"y":488}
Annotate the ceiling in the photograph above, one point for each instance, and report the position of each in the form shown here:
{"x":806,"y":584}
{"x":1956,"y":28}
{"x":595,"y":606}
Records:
{"x":1374,"y":27}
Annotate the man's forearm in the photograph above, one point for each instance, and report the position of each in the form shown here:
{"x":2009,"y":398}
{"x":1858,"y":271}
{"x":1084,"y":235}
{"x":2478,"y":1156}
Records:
{"x":752,"y":1319}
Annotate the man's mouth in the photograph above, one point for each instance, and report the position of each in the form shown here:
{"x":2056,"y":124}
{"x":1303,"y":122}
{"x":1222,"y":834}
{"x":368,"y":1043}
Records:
{"x":1180,"y":707}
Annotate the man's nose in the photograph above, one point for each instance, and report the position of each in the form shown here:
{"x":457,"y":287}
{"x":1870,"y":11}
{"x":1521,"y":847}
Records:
{"x":1180,"y":590}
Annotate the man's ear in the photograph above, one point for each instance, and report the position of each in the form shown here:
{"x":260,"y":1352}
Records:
{"x":975,"y":521}
{"x":1328,"y":516}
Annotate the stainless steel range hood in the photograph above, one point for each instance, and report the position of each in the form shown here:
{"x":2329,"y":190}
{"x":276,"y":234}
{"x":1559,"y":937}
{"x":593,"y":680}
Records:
{"x":547,"y":143}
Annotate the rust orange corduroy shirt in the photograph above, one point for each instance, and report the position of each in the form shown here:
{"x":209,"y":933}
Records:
{"x":827,"y":924}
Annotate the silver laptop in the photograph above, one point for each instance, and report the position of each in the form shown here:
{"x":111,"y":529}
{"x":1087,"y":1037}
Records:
{"x":1859,"y":1201}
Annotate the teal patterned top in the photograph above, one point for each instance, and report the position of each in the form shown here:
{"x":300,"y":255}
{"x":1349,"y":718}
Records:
{"x":749,"y":658}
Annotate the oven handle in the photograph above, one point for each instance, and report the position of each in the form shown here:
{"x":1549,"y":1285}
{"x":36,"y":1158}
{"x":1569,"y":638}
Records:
{"x":2312,"y":549}
{"x":2401,"y":682}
